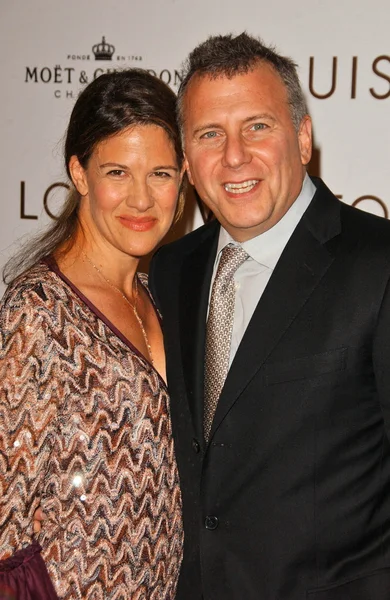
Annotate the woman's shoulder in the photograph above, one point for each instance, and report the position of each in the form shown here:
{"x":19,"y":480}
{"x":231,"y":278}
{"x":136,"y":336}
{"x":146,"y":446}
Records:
{"x":143,"y":277}
{"x":31,"y":288}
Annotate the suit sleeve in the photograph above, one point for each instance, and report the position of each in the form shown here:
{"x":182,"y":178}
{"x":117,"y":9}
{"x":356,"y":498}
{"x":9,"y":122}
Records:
{"x":27,"y":415}
{"x":381,"y":357}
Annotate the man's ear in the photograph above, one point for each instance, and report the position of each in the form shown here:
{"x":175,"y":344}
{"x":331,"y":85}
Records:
{"x":183,"y":171}
{"x":78,"y":175}
{"x":187,"y":168}
{"x":305,"y":139}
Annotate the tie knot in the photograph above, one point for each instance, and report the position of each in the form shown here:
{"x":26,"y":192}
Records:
{"x":232,"y":257}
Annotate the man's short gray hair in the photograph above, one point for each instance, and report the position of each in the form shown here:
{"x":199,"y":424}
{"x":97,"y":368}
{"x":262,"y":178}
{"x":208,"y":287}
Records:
{"x":226,"y":55}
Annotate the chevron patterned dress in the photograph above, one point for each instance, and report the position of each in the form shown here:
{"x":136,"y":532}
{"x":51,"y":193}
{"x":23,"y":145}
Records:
{"x":85,"y":432}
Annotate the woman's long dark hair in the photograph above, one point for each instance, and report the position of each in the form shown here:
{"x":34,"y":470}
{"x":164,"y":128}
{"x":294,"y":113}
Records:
{"x":108,"y":105}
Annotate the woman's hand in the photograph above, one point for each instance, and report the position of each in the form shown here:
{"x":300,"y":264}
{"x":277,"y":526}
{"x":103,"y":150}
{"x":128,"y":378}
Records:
{"x":39,"y":516}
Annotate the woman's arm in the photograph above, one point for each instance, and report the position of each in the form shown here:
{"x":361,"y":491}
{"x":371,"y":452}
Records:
{"x":28,"y":411}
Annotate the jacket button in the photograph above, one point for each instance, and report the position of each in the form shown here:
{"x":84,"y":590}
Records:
{"x":195,"y":446}
{"x":211,"y":522}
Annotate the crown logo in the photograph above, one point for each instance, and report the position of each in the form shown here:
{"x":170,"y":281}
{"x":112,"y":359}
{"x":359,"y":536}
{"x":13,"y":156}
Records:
{"x":103,"y":51}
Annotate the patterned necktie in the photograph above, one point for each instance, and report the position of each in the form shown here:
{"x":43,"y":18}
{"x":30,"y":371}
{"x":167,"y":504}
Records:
{"x":219,"y":330}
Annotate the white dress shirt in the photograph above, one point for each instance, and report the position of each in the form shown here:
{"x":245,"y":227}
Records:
{"x":264,"y":252}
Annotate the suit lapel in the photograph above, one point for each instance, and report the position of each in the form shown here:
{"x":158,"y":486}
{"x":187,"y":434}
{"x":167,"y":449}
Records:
{"x":196,"y":275}
{"x":301,"y":267}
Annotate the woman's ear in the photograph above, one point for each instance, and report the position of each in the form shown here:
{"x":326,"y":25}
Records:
{"x":78,"y":175}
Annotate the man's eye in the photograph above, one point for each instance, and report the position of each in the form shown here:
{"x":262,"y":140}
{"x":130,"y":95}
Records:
{"x":209,"y":135}
{"x":259,"y":126}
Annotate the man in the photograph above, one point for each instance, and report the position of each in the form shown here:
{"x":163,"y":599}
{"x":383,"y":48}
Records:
{"x":276,"y":322}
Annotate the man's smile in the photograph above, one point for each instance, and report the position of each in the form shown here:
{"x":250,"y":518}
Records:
{"x":242,"y":187}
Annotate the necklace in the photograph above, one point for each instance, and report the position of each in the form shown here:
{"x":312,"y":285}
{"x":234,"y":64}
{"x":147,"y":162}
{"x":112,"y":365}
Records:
{"x":131,"y":304}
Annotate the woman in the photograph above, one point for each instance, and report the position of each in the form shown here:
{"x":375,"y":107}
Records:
{"x":84,"y":410}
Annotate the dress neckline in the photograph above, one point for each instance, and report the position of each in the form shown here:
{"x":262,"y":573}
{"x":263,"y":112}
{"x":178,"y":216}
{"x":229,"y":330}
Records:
{"x":53,"y":266}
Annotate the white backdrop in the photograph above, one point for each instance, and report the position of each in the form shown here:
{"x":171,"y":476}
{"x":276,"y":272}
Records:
{"x":342,"y":48}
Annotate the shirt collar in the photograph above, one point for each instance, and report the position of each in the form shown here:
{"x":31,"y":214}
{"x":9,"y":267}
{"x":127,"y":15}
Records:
{"x":267,"y":247}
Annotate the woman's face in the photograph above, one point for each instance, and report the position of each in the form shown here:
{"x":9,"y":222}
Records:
{"x":129,"y":190}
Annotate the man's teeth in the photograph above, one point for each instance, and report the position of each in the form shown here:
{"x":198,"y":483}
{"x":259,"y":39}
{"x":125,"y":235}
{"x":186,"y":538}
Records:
{"x":241,"y":188}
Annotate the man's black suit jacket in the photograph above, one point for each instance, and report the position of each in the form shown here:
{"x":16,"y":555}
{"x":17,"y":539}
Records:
{"x":290,"y":499}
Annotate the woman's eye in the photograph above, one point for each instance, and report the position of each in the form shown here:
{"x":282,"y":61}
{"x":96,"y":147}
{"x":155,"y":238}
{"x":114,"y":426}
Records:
{"x":116,"y":172}
{"x":162,"y":174}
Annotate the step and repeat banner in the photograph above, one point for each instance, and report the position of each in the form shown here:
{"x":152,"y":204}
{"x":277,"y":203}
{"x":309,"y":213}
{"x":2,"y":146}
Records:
{"x":50,"y":49}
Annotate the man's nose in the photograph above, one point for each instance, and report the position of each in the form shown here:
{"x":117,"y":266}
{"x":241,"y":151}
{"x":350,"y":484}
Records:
{"x":236,"y":152}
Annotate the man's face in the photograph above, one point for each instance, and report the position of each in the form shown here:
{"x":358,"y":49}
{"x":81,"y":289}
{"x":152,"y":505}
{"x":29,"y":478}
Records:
{"x":243,"y":153}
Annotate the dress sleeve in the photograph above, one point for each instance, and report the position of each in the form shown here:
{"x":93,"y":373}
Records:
{"x":28,"y":412}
